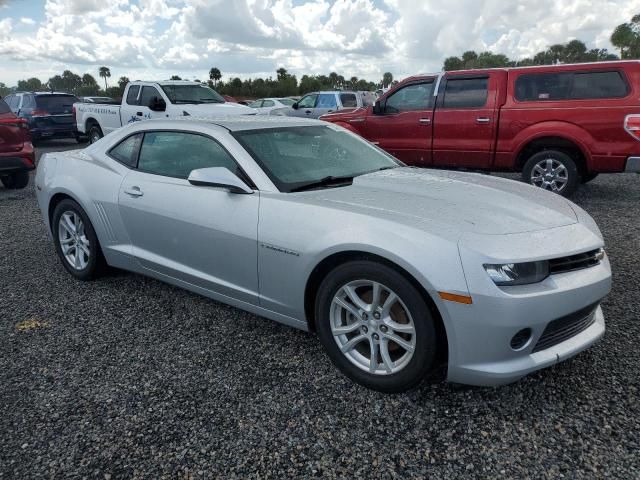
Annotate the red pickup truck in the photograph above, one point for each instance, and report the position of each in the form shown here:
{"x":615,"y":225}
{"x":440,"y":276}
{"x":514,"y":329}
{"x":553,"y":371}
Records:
{"x":559,"y":125}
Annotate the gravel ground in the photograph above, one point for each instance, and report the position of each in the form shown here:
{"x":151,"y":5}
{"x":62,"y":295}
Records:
{"x":129,"y":378}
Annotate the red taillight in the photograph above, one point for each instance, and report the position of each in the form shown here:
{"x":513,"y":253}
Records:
{"x":632,"y":125}
{"x":15,"y":122}
{"x":73,"y":112}
{"x":39,"y":113}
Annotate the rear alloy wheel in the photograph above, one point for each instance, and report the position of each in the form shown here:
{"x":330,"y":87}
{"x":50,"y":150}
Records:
{"x":552,"y":170}
{"x":95,"y":134}
{"x":375,"y":326}
{"x":16,"y":181}
{"x":76,"y":241}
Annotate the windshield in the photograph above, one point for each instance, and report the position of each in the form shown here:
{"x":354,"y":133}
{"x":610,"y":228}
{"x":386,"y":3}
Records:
{"x":286,"y":101}
{"x":192,"y":94}
{"x":297,"y":156}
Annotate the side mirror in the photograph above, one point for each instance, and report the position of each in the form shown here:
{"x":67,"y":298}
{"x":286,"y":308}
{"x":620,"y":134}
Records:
{"x":157,"y":104}
{"x":295,"y":106}
{"x":378,"y":109}
{"x":218,"y":177}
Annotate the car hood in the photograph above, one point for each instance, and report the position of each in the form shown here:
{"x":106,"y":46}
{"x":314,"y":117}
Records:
{"x":217,"y":109}
{"x":453,"y":201}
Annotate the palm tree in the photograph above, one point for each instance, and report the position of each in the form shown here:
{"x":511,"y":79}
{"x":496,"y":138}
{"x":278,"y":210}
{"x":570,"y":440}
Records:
{"x":105,"y":73}
{"x":281,"y":73}
{"x":333,"y":78}
{"x":215,"y":75}
{"x":122,"y":82}
{"x":354,"y":81}
{"x":387,"y":78}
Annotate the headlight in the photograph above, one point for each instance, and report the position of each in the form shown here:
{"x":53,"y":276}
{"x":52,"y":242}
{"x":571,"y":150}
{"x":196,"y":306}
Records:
{"x":518,"y":273}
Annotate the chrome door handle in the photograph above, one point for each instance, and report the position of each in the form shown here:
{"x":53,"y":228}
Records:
{"x":483,"y":120}
{"x":139,"y":114}
{"x":425,"y":121}
{"x":133,"y":191}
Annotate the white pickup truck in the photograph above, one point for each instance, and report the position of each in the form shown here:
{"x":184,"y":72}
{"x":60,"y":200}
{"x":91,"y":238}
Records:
{"x":146,"y":100}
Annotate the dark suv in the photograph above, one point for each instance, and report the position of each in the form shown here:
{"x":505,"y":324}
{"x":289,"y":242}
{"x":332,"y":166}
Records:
{"x":49,"y":114}
{"x":16,"y":151}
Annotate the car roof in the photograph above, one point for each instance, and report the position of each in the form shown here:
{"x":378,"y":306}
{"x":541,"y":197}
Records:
{"x":237,"y":123}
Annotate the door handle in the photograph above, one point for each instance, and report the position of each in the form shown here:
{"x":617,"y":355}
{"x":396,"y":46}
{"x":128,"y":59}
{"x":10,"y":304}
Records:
{"x":308,"y":112}
{"x":139,"y":114}
{"x":133,"y":191}
{"x":425,"y":121}
{"x":483,"y":120}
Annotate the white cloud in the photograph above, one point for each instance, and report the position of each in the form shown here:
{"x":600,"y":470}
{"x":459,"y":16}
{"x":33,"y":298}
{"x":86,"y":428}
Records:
{"x":249,"y":37}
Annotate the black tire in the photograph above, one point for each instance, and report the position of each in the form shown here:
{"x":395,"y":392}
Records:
{"x":95,"y":133}
{"x":81,"y":139}
{"x":557,"y":157}
{"x":96,"y":263}
{"x":16,"y":181}
{"x":423,"y":360}
{"x":587,"y":177}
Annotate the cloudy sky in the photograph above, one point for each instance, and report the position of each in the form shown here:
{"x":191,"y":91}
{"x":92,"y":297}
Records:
{"x":157,"y":38}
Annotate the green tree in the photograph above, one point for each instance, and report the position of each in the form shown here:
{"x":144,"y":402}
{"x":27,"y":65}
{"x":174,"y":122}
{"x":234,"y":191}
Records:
{"x":627,"y":38}
{"x":215,"y":75}
{"x":105,"y":73}
{"x":387,"y":79}
{"x":31,"y":85}
{"x":122,"y":83}
{"x":281,"y":73}
{"x":453,"y":63}
{"x":4,"y":90}
{"x":175,"y":77}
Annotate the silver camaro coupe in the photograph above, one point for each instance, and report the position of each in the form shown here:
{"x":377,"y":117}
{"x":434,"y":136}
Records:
{"x":399,"y":270}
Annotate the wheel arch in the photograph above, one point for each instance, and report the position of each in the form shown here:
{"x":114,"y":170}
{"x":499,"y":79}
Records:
{"x":90,"y":122}
{"x":322,"y":269}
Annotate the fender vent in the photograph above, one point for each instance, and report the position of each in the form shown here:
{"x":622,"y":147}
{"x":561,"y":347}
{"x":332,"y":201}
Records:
{"x":104,"y":221}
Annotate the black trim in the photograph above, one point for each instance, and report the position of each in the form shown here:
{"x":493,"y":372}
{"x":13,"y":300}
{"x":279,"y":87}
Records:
{"x":562,"y":329}
{"x":13,"y":164}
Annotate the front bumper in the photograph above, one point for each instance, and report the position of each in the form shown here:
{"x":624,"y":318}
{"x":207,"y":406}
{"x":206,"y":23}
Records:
{"x":632,"y":165}
{"x":480,"y":334}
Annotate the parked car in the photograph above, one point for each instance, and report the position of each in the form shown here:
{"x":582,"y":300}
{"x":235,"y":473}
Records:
{"x":397,"y":269}
{"x":98,"y":100}
{"x":48,"y":114}
{"x":559,"y":125}
{"x":264,"y":106}
{"x":147,"y":100}
{"x":313,"y":105}
{"x":16,"y":151}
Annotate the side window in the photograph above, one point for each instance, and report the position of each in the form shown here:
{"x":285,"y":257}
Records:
{"x":543,"y":87}
{"x":348,"y":100}
{"x":9,"y":101}
{"x":415,"y":97}
{"x":126,"y":152}
{"x":268,"y":103}
{"x":327,"y":100}
{"x":4,"y":108}
{"x":308,"y":102}
{"x":466,"y":92}
{"x":598,"y":85}
{"x":28,"y":101}
{"x":132,"y":95}
{"x":256,"y":104}
{"x":147,"y":94}
{"x":176,"y":154}
{"x":13,"y":102}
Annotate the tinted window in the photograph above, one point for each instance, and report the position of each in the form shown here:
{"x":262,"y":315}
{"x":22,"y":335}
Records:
{"x":12,"y":101}
{"x":4,"y":108}
{"x":56,"y":104}
{"x":308,"y":102}
{"x":598,"y":85}
{"x":176,"y":154}
{"x":28,"y":101}
{"x":348,"y":100}
{"x":132,"y":95}
{"x":268,"y":103}
{"x":287,"y":101}
{"x":126,"y":152}
{"x":414,"y":97}
{"x":466,"y":92}
{"x":256,"y":104}
{"x":147,"y":94}
{"x":543,"y":87}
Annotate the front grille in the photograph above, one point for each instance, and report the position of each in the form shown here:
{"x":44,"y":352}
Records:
{"x":576,"y":262}
{"x":564,"y":328}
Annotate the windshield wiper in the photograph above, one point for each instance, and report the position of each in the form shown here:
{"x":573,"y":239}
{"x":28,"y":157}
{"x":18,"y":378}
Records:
{"x":329,"y":181}
{"x":177,"y":102}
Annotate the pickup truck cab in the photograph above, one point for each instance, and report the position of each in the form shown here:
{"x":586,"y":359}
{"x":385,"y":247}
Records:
{"x":147,"y":100}
{"x":559,"y":125}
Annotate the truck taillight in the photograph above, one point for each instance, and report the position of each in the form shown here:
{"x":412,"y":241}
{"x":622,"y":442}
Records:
{"x":632,"y":125}
{"x":15,"y":122}
{"x":39,"y":113}
{"x":73,"y":112}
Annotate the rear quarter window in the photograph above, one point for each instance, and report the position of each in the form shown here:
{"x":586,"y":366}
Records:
{"x":540,"y":87}
{"x":4,"y":108}
{"x":348,"y":100}
{"x":466,"y":92}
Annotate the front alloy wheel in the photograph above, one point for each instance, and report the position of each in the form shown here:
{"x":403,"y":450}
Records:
{"x":376,"y":326}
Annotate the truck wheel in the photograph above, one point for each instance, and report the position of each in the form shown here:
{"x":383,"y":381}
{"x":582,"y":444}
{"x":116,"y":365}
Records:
{"x":587,"y":177}
{"x":95,"y":133}
{"x":82,"y":139}
{"x":16,"y":181}
{"x":552,"y":170}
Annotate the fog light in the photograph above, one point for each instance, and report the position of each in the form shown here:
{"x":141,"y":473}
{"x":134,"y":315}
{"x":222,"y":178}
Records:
{"x":521,"y":339}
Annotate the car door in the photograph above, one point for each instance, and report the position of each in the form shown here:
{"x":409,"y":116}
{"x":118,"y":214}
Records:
{"x":267,"y":106}
{"x":326,"y":103}
{"x":403,"y":126}
{"x":129,"y":108}
{"x":204,"y":236}
{"x":465,"y":120}
{"x":142,"y":110}
{"x":305,"y":106}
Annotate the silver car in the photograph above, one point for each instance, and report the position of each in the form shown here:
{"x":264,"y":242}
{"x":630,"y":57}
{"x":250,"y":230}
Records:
{"x":398,"y":270}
